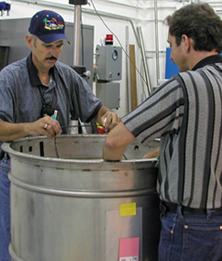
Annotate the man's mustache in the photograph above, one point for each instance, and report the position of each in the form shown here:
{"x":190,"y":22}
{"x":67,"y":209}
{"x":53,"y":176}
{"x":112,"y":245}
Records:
{"x":51,"y":58}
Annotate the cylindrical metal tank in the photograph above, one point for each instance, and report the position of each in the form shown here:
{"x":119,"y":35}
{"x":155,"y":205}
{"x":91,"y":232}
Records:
{"x":67,"y":204}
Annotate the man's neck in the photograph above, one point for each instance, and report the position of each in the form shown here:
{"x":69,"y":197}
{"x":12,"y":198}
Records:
{"x":45,"y":78}
{"x":43,"y":72}
{"x":197,"y":56}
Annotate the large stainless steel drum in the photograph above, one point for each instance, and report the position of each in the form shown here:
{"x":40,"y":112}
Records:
{"x":67,"y":204}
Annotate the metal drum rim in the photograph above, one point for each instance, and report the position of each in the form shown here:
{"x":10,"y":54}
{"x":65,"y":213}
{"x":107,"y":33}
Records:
{"x":6,"y":146}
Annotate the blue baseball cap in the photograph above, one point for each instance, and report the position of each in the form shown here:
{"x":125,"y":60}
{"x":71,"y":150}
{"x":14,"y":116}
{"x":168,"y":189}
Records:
{"x":48,"y":26}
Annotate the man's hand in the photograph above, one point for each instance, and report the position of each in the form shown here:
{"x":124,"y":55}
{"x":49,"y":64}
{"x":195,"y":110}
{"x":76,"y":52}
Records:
{"x":46,"y":126}
{"x":152,"y":154}
{"x":110,"y":120}
{"x":107,"y":118}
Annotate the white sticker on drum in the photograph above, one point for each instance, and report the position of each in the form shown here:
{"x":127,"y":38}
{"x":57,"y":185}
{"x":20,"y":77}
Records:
{"x":132,"y":258}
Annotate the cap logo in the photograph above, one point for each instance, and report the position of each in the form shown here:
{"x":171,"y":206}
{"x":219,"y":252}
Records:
{"x":53,"y":24}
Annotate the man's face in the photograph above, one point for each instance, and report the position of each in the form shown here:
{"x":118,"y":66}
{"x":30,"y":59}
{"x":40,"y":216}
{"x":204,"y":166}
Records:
{"x":45,"y":55}
{"x":178,"y":54}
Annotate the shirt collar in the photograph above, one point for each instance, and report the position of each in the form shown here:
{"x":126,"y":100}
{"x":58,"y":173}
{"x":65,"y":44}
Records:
{"x":33,"y":74}
{"x":208,"y":60}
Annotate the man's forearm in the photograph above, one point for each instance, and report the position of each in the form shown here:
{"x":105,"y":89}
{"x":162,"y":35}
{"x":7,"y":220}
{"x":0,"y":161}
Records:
{"x":11,"y":131}
{"x":116,"y":142}
{"x":110,"y":154}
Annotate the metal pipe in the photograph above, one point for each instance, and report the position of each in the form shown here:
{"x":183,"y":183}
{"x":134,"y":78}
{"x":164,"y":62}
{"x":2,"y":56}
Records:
{"x":145,"y":65}
{"x":157,"y":41}
{"x":77,"y":28}
{"x":128,"y":72}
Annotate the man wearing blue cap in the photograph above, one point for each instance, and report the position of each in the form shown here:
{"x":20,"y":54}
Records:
{"x":36,"y":86}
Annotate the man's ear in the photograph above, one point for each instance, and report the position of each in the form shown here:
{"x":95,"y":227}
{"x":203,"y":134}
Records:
{"x":29,"y":41}
{"x":186,"y":42}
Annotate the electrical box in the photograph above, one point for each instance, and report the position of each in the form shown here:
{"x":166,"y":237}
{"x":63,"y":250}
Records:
{"x":109,"y":63}
{"x":109,"y":94}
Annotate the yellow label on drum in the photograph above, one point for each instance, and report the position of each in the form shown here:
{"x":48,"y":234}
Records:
{"x":128,"y":209}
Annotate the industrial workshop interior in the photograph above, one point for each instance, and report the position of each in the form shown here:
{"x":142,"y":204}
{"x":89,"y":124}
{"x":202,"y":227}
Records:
{"x":67,"y":200}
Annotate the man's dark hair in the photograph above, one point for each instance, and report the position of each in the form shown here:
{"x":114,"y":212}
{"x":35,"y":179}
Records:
{"x":199,"y":22}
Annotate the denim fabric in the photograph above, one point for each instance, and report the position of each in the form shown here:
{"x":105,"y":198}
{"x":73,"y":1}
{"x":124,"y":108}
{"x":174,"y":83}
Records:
{"x":5,"y":236}
{"x":191,"y":237}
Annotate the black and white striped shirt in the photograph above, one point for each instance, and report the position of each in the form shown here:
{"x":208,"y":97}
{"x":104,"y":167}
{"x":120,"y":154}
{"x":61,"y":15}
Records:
{"x":186,"y":112}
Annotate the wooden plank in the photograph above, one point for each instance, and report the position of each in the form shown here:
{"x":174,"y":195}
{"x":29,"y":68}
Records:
{"x":133,"y":84}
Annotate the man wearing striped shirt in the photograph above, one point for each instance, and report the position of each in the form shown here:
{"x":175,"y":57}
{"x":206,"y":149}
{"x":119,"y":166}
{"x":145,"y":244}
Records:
{"x":186,"y":113}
